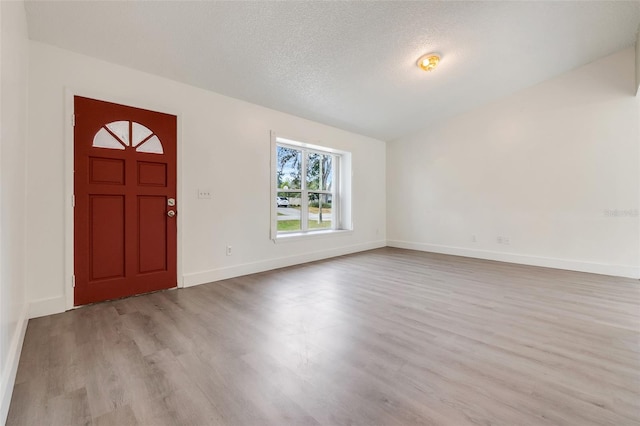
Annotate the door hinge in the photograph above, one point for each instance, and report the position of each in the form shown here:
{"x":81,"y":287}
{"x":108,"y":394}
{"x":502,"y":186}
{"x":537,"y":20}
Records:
{"x":73,"y":200}
{"x":73,"y":281}
{"x":73,"y":120}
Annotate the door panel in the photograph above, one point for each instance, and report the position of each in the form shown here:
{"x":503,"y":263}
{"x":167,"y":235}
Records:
{"x":106,"y":240}
{"x":152,"y":174}
{"x":124,"y":173}
{"x":152,"y":229}
{"x":106,"y":170}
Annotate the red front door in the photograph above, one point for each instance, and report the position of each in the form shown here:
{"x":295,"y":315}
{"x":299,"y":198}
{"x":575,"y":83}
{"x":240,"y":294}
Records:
{"x":125,"y":201}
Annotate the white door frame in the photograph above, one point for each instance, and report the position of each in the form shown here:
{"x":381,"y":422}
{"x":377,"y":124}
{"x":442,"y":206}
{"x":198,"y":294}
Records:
{"x":69,"y":94}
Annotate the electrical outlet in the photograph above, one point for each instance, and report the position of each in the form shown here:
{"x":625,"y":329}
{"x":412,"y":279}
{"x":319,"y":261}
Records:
{"x":474,"y":239}
{"x":204,"y":193}
{"x":503,"y":240}
{"x":229,"y":251}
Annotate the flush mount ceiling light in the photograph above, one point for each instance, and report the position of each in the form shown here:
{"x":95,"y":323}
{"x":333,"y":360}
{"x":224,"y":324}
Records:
{"x":429,"y":61}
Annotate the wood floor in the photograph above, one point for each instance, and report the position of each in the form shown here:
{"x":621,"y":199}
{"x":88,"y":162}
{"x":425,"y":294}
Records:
{"x":385,"y":337}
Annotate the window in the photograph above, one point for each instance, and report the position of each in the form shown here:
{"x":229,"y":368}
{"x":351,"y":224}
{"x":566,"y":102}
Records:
{"x":309,"y":194}
{"x":122,"y":134}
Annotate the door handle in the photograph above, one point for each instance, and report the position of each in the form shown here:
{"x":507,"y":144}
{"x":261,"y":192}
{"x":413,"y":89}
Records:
{"x":171,"y":213}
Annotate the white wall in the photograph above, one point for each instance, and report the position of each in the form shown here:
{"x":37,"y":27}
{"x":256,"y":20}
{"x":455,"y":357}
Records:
{"x":638,"y":62}
{"x":541,"y":167}
{"x":13,"y":125}
{"x":224,"y":145}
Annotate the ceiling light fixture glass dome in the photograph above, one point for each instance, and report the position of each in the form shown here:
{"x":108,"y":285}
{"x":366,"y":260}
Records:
{"x":429,"y":61}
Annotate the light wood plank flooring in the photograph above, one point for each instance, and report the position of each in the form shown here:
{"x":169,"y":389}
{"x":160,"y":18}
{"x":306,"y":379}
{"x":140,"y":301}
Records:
{"x":385,"y":337}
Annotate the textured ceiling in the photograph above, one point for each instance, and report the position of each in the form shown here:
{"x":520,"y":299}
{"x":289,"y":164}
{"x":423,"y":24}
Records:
{"x":346,"y":64}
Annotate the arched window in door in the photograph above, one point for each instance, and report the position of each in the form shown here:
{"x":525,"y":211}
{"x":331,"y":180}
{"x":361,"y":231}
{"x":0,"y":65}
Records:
{"x":125,"y":134}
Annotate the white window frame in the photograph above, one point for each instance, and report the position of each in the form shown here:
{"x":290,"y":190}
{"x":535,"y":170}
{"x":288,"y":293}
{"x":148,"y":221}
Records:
{"x":340,"y":191}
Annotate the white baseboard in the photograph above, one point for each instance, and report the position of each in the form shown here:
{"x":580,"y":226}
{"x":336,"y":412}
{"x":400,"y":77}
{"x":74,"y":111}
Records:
{"x":547,"y":262}
{"x":48,"y":306}
{"x":56,"y":305}
{"x":10,"y":367}
{"x":267,"y":265}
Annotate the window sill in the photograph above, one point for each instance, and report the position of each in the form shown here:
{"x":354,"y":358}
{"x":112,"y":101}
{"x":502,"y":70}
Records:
{"x":298,"y":236}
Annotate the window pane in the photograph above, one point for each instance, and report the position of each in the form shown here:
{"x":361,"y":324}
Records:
{"x":313,"y":171}
{"x":104,"y":139}
{"x":290,"y":199}
{"x":140,"y":133}
{"x":320,"y":211}
{"x":289,"y":163}
{"x":121,"y":130}
{"x":152,"y":145}
{"x":319,"y":172}
{"x":288,"y":209}
{"x":327,"y":172}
